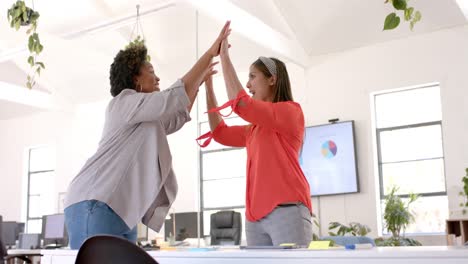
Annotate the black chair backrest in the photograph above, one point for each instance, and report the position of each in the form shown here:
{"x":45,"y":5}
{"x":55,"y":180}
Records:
{"x":225,"y":227}
{"x":3,"y":251}
{"x":107,"y":249}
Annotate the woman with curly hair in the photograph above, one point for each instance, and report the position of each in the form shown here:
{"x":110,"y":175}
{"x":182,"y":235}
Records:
{"x":130,"y":177}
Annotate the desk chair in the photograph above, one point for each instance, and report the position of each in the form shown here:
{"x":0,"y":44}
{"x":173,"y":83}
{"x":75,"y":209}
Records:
{"x":106,"y":249}
{"x":226,"y":228}
{"x":350,"y":240}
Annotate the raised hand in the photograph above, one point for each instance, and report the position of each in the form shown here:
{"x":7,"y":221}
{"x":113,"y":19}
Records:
{"x":215,"y":48}
{"x":209,"y":72}
{"x":224,"y":50}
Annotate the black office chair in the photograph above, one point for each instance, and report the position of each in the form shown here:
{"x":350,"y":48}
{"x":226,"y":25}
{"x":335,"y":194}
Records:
{"x":3,"y":251}
{"x":107,"y":249}
{"x":226,"y":228}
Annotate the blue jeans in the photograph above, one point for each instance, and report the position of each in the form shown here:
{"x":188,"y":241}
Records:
{"x":89,"y":218}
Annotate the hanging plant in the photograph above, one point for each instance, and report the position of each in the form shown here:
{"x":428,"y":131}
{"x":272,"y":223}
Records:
{"x":21,"y":15}
{"x":139,"y":40}
{"x":393,"y":20}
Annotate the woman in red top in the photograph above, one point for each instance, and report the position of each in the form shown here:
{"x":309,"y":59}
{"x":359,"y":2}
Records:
{"x":278,"y":204}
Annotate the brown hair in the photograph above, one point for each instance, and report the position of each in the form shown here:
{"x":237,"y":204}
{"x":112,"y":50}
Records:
{"x":282,"y":89}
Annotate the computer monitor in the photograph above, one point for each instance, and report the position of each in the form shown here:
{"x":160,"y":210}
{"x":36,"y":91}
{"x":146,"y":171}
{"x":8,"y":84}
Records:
{"x":9,"y":233}
{"x":54,"y":232}
{"x":142,"y":232}
{"x":19,"y":229}
{"x":185,"y":225}
{"x":29,"y":241}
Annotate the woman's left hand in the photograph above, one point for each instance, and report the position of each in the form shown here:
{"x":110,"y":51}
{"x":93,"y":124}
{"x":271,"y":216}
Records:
{"x":215,"y":47}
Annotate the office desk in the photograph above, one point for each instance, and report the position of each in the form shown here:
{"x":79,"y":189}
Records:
{"x":32,"y":254}
{"x":387,"y":255}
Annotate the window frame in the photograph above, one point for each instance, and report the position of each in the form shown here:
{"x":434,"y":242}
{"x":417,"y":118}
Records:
{"x":378,"y":156}
{"x":380,"y":163}
{"x":28,"y":193}
{"x":211,"y":151}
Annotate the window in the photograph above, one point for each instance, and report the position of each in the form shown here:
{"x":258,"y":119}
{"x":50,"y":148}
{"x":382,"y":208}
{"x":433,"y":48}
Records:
{"x":41,"y":182}
{"x":410,"y":153}
{"x":223,"y":173}
{"x":222,"y":168}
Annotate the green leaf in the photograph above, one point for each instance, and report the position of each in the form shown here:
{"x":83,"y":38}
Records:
{"x":29,"y":85}
{"x":17,"y":25}
{"x":17,"y":13}
{"x":30,"y":43}
{"x":417,"y":16}
{"x":34,"y":16}
{"x":333,"y":225}
{"x":41,"y":64}
{"x":399,"y":4}
{"x":31,"y":60}
{"x":409,"y":13}
{"x":25,"y":16}
{"x":38,"y":70}
{"x":391,"y":21}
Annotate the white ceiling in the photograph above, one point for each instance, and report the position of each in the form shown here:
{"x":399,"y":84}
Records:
{"x":81,"y":37}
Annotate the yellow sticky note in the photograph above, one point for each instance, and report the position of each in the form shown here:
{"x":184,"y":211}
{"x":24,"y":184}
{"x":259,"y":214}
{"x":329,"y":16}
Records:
{"x":319,"y":245}
{"x":288,"y":245}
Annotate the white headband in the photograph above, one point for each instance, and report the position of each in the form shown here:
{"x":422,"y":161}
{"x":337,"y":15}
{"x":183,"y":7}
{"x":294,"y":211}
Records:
{"x":270,"y":64}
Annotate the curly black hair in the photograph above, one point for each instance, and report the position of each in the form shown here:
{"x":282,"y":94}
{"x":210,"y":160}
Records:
{"x":126,"y":65}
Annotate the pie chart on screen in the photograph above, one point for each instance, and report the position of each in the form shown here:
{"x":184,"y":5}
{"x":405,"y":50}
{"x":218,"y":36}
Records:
{"x":329,"y":149}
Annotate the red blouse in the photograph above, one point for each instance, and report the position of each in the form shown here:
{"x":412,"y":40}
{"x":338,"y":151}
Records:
{"x":273,"y":141}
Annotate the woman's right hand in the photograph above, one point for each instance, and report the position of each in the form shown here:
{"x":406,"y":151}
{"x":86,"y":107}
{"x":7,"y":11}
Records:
{"x":208,"y":78}
{"x":215,"y":48}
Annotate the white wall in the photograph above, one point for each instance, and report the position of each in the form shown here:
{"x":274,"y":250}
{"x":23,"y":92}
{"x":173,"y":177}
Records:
{"x":16,"y":136}
{"x":339,"y":85}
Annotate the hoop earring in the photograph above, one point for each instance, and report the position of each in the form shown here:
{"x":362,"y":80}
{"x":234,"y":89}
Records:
{"x":140,"y":89}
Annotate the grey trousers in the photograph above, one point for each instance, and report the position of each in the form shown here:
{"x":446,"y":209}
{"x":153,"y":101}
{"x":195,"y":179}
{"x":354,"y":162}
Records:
{"x":292,"y":224}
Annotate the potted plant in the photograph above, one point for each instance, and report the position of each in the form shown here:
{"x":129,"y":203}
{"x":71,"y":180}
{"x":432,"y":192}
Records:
{"x":397,"y":217}
{"x":21,"y":15}
{"x":393,"y":20}
{"x":464,"y":193}
{"x":355,"y":229}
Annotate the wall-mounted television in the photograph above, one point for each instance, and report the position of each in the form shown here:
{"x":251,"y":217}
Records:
{"x":328,"y":159}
